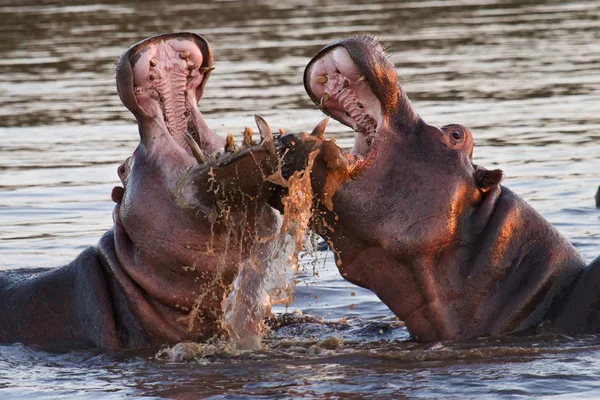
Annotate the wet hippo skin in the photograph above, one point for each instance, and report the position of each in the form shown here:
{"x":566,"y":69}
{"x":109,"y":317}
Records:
{"x":450,"y":251}
{"x":160,"y":274}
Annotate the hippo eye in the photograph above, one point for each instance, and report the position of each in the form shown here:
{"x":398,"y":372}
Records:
{"x":457,"y":135}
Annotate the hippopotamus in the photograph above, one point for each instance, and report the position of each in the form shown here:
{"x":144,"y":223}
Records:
{"x":411,"y":216}
{"x":190,"y":208}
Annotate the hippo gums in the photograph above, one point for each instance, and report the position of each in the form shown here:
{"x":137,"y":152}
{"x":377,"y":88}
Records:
{"x":183,"y":220}
{"x":449,"y":250}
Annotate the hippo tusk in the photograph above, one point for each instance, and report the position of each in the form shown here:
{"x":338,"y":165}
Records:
{"x":323,"y":101}
{"x":266,"y":133}
{"x":230,"y":146}
{"x":319,"y":130}
{"x":247,"y":141}
{"x":196,"y":151}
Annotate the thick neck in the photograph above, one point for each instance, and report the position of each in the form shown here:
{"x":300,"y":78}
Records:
{"x":147,"y":318}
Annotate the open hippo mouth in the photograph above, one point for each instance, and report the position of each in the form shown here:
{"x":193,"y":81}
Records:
{"x":354,"y":82}
{"x":162,"y":80}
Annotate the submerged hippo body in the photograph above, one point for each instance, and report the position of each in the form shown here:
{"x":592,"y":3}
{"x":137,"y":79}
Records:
{"x":160,"y":274}
{"x":449,"y":250}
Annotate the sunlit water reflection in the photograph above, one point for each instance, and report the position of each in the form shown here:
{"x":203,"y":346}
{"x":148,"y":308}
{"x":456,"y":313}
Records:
{"x":523,"y":75}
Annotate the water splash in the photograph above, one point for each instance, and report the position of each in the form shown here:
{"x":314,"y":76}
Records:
{"x":266,"y":278}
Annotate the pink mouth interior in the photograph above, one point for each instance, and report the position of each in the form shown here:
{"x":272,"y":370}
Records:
{"x":167,"y":78}
{"x":346,"y":96}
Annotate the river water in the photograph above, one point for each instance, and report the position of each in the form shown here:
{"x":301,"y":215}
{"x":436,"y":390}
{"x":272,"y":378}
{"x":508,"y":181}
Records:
{"x":523,"y":75}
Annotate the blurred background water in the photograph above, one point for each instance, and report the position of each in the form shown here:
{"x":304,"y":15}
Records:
{"x":524,"y":76}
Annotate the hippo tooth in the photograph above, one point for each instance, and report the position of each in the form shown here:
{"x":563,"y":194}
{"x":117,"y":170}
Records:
{"x":319,"y":130}
{"x":266,"y":133}
{"x":153,"y":62}
{"x":263,"y":127}
{"x":204,"y":70}
{"x":362,"y":78}
{"x":247,"y":141}
{"x":368,"y":120}
{"x":230,"y":146}
{"x":321,"y":79}
{"x":184,"y":55}
{"x":324,"y":100}
{"x":196,"y":151}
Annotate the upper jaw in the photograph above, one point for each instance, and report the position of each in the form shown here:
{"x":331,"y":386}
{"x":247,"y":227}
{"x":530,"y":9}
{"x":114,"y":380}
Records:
{"x":340,"y":89}
{"x":160,"y":80}
{"x":354,"y":82}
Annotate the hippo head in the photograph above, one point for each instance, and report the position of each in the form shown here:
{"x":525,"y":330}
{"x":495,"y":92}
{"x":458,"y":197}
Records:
{"x":183,"y":206}
{"x":429,"y":170}
{"x":409,"y":195}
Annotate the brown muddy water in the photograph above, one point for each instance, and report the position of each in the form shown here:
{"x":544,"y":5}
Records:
{"x":523,"y":75}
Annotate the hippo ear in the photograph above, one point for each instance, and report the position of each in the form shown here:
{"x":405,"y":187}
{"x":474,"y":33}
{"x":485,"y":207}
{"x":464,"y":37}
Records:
{"x":487,"y":180}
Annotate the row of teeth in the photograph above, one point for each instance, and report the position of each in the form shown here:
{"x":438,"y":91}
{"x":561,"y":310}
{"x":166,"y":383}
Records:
{"x":338,"y":88}
{"x":167,"y":103}
{"x":184,"y":55}
{"x":266,"y":140}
